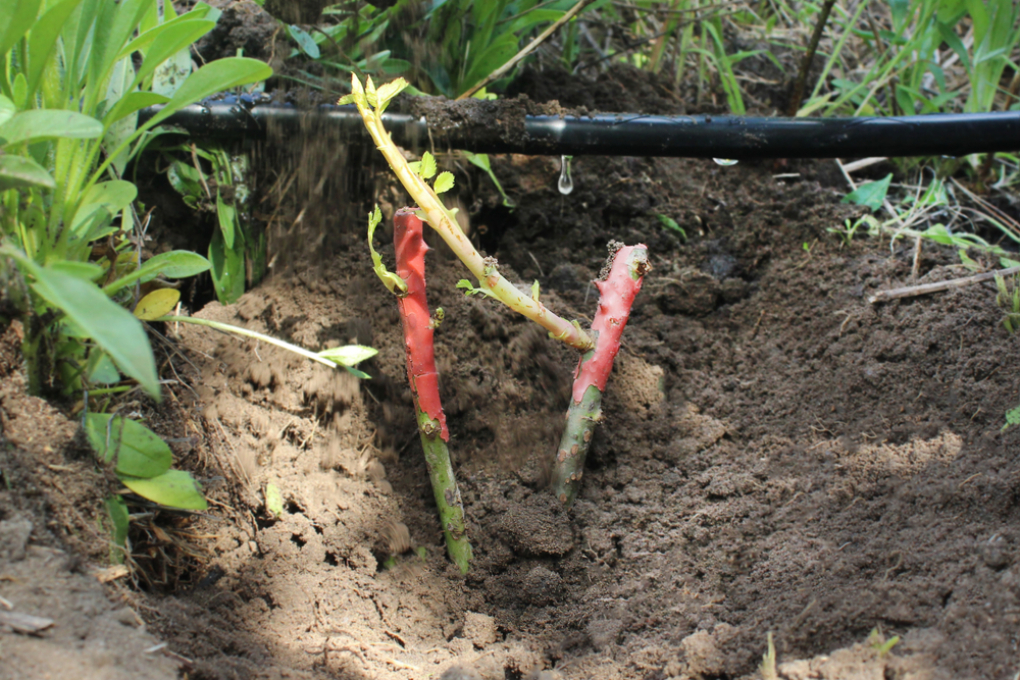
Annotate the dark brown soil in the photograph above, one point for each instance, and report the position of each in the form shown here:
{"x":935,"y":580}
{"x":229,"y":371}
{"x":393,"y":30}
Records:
{"x":778,"y":455}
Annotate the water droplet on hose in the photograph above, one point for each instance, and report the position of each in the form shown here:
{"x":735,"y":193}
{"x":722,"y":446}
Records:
{"x":725,"y":161}
{"x":566,"y":184}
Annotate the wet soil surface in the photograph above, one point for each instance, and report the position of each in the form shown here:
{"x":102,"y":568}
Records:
{"x":778,"y":455}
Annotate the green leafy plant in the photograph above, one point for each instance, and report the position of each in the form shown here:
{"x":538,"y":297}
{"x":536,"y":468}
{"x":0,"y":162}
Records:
{"x":880,"y":644}
{"x":904,"y":72}
{"x":141,"y":461}
{"x":73,"y":75}
{"x":211,"y":179}
{"x":1008,"y":299}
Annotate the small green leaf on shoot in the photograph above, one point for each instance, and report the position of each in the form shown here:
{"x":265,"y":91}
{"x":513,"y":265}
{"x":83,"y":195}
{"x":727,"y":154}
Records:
{"x":119,"y":518}
{"x":871,"y":194}
{"x":1012,"y":418}
{"x":393,"y":283}
{"x":305,"y":42}
{"x":670,"y":223}
{"x":535,"y":290}
{"x":388,"y":91}
{"x":437,"y":318}
{"x":469,"y":289}
{"x":173,"y":488}
{"x":357,"y":90}
{"x":444,"y":182}
{"x":356,"y":373}
{"x":346,"y":99}
{"x":349,"y":355}
{"x":274,"y":500}
{"x":415,"y":167}
{"x":370,"y":93}
{"x":428,"y":166}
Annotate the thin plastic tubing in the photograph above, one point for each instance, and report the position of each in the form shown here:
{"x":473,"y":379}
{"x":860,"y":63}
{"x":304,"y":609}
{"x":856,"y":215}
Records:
{"x":700,"y":136}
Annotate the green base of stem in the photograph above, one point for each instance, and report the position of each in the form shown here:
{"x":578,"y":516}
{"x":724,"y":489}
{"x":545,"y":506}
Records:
{"x":582,"y":417}
{"x":444,"y":487}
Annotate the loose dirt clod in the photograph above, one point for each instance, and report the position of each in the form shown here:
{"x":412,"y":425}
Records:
{"x":538,"y":527}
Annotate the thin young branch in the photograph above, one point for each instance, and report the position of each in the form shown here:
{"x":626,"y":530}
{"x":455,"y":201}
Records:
{"x":797,"y":93}
{"x":244,"y":332}
{"x":528,"y":49}
{"x":925,"y":288}
{"x":443,"y":221}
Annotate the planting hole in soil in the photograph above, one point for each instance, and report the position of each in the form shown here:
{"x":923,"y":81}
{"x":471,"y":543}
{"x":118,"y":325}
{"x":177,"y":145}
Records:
{"x":646,"y":422}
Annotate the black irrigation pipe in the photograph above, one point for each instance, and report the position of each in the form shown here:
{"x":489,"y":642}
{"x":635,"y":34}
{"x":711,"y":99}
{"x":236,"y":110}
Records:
{"x":699,"y":136}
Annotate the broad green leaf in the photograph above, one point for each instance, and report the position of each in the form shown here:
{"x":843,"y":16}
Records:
{"x":19,"y":90}
{"x":274,"y":500}
{"x":175,"y":264}
{"x":19,"y":171}
{"x":871,"y":194}
{"x":428,"y":166}
{"x":214,"y":77}
{"x":7,"y":109}
{"x":149,"y":34}
{"x":111,"y":326}
{"x":43,"y":39}
{"x":132,"y":103}
{"x":40,"y":124}
{"x":15,"y":19}
{"x":227,"y":217}
{"x":227,"y":270}
{"x":443,"y":183}
{"x":173,"y":489}
{"x":939,"y":234}
{"x":101,"y":369}
{"x":304,"y":41}
{"x":115,"y":24}
{"x":114,"y":195}
{"x":349,"y":355}
{"x":83,"y":270}
{"x":159,"y":302}
{"x":120,"y":522}
{"x":171,"y":41}
{"x":129,"y":446}
{"x":121,"y":83}
{"x":172,"y":73}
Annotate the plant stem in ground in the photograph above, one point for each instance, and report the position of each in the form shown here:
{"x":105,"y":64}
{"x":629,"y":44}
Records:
{"x":443,"y":221}
{"x":424,"y":381}
{"x":620,"y":283}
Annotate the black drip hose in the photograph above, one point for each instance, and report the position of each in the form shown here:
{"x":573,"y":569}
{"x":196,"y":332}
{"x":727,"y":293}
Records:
{"x":700,"y":136}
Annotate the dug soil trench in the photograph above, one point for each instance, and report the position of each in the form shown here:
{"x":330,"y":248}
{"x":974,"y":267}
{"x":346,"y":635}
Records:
{"x":778,"y":455}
